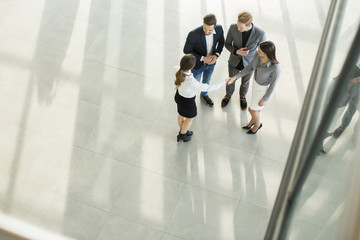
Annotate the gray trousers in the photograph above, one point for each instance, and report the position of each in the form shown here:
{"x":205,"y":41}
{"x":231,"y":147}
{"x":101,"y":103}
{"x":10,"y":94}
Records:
{"x":245,"y":80}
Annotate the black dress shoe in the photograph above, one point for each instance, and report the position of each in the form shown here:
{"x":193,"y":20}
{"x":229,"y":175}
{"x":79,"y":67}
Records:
{"x":225,"y":101}
{"x":208,"y":100}
{"x":243,"y":103}
{"x":246,"y":126}
{"x":251,"y":132}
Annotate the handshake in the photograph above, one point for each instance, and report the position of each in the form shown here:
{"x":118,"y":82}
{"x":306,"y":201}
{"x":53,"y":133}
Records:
{"x":230,"y":80}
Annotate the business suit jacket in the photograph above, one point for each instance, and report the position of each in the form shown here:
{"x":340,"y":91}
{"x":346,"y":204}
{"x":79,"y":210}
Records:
{"x":196,"y":43}
{"x":233,"y":42}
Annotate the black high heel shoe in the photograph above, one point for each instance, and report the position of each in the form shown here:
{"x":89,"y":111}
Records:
{"x":251,"y":132}
{"x":246,"y":126}
{"x":183,"y":137}
{"x":189,"y":133}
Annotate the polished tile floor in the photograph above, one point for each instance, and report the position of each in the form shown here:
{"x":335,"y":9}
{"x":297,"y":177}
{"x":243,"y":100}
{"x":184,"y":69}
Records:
{"x":88,"y":121}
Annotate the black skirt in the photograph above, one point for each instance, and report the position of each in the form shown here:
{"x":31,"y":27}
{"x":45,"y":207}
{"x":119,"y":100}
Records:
{"x":186,"y":106}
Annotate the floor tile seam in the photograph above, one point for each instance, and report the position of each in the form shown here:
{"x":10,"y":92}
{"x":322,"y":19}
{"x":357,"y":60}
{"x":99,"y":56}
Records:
{"x":42,"y":217}
{"x":248,"y":176}
{"x":204,"y":187}
{"x":36,"y":132}
{"x":233,"y":217}
{"x":172,"y":125}
{"x":227,"y":146}
{"x":129,"y":115}
{"x":272,"y":159}
{"x":258,"y":205}
{"x":105,"y":108}
{"x":175,"y":236}
{"x":69,"y":198}
{"x":86,"y":141}
{"x":119,"y":194}
{"x":18,"y":126}
{"x":74,"y":20}
{"x":99,"y":153}
{"x":126,"y":70}
{"x":136,"y":116}
{"x":137,"y":222}
{"x":64,"y":15}
{"x":176,"y":206}
{"x":102,"y":227}
{"x":38,"y":187}
{"x":5,"y":36}
{"x":128,"y":220}
{"x":316,"y":223}
{"x":81,"y":99}
{"x":134,"y":165}
{"x":64,"y":53}
{"x":4,"y":177}
{"x":163,"y":9}
{"x":141,"y":169}
{"x":106,"y":28}
{"x":153,"y":121}
{"x":109,"y":213}
{"x":37,"y":45}
{"x":255,"y":205}
{"x":212,"y":191}
{"x":22,"y":181}
{"x":134,"y":222}
{"x":162,"y":175}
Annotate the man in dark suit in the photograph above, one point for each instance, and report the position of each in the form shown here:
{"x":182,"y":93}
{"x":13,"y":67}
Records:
{"x":241,"y":41}
{"x":206,"y":44}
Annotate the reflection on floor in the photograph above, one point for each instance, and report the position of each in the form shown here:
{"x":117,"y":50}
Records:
{"x":88,"y":121}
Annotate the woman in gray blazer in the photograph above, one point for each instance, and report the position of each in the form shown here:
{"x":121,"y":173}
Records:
{"x":267,"y":72}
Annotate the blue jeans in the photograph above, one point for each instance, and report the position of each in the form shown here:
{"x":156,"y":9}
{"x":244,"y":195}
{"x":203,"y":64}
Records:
{"x":206,"y":72}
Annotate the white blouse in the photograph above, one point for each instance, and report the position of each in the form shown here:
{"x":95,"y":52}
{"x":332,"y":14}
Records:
{"x":191,"y":86}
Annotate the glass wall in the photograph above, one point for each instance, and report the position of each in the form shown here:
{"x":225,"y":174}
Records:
{"x":319,"y":196}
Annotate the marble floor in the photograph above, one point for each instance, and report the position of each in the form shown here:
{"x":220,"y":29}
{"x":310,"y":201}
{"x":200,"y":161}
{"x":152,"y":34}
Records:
{"x":88,"y":121}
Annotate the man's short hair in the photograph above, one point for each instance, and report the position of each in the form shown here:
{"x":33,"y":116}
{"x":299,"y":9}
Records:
{"x":210,"y":19}
{"x":245,"y":18}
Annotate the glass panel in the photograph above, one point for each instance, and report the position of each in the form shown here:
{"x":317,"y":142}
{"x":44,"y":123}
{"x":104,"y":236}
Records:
{"x":319,"y":207}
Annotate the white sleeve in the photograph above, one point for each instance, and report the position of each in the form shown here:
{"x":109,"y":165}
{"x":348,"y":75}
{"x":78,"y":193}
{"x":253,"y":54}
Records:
{"x":206,"y":87}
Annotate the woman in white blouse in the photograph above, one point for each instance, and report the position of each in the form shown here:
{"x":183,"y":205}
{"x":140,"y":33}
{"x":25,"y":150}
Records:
{"x":186,"y":88}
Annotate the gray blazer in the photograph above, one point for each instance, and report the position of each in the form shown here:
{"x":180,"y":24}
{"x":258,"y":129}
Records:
{"x":233,"y":42}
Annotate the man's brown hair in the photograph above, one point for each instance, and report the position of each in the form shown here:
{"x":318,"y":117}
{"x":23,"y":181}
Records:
{"x":245,"y":18}
{"x":210,"y":19}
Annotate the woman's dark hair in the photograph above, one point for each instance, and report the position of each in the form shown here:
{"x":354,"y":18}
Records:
{"x":268,"y":48}
{"x":187,"y":62}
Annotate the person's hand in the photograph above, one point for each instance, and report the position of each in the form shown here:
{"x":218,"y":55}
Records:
{"x":262,"y":102}
{"x":213,"y":59}
{"x":242,"y":52}
{"x":230,"y":80}
{"x":208,"y":59}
